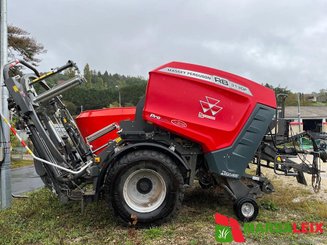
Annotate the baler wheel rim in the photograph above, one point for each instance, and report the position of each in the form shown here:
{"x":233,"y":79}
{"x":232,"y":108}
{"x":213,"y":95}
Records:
{"x":150,"y":197}
{"x":246,"y":209}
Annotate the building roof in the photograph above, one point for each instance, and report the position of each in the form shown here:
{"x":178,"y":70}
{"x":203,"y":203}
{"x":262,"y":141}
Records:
{"x":310,"y":112}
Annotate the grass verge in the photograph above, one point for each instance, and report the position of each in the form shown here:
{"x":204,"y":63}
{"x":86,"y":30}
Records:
{"x":20,"y":163}
{"x":41,"y":219}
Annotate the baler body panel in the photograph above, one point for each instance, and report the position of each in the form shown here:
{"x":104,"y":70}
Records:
{"x":232,"y":161}
{"x":205,"y":105}
{"x":91,"y":121}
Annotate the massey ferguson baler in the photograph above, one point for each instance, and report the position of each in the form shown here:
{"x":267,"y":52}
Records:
{"x":194,"y":123}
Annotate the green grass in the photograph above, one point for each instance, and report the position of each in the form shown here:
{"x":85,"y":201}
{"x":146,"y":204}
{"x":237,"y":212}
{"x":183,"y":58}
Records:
{"x":280,"y":207}
{"x":41,"y":219}
{"x":20,"y":163}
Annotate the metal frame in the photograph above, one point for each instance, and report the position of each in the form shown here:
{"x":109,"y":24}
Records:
{"x":61,"y":156}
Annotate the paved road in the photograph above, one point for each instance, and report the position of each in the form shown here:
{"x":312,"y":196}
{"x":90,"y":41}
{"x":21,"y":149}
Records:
{"x":24,"y":180}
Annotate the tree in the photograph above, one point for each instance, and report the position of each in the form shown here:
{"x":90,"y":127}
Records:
{"x":99,"y":81}
{"x":278,"y":89}
{"x":87,"y":73}
{"x":22,"y":44}
{"x":71,"y":107}
{"x":101,"y":91}
{"x":70,"y":72}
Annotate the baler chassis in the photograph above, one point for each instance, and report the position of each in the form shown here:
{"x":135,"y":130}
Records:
{"x":144,"y":171}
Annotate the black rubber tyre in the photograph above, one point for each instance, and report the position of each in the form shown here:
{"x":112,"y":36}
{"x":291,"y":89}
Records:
{"x":144,"y":187}
{"x":246,"y":209}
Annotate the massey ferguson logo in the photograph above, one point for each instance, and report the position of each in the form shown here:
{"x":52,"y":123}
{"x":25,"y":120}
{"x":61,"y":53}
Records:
{"x":210,"y":108}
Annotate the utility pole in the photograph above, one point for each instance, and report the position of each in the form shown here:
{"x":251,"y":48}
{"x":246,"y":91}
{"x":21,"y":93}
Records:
{"x":5,"y":175}
{"x":298,"y":111}
{"x":119,"y":95}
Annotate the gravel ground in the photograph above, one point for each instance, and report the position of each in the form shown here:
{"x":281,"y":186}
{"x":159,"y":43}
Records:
{"x":291,"y":182}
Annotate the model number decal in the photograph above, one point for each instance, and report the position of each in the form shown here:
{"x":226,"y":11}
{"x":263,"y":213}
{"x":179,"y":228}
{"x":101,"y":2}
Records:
{"x":209,"y":78}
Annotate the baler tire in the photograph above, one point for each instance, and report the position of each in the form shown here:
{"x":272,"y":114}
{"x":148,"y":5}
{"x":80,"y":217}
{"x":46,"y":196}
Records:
{"x":246,"y":204}
{"x":144,"y":187}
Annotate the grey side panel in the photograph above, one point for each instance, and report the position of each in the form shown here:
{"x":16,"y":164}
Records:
{"x":232,"y":161}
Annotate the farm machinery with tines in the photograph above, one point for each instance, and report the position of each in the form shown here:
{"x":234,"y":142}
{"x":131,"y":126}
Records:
{"x":194,"y":123}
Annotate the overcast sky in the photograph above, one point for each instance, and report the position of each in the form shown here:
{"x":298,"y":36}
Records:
{"x":279,"y":42}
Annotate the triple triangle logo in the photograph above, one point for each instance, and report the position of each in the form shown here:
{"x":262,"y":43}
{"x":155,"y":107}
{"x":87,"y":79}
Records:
{"x":209,"y":105}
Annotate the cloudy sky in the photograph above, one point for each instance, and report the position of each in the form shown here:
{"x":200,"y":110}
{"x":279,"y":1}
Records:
{"x":279,"y":42}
